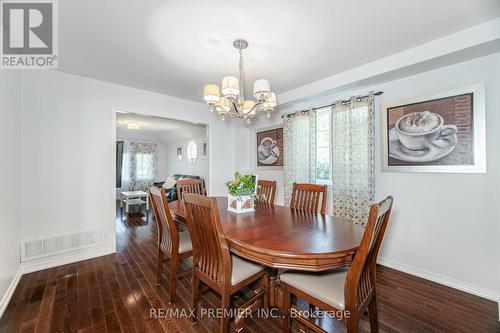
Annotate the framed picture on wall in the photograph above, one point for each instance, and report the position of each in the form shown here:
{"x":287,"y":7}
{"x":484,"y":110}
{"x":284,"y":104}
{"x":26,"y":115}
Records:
{"x":179,"y":153}
{"x":268,"y":148}
{"x":440,"y":132}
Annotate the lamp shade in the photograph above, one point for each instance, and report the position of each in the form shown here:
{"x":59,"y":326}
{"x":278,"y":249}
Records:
{"x":270,"y":102}
{"x":222,"y":103}
{"x":248,"y":105}
{"x":211,"y":93}
{"x":261,"y":89}
{"x":230,"y":86}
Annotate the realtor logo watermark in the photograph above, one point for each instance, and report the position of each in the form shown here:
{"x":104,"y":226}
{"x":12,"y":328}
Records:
{"x":29,"y":34}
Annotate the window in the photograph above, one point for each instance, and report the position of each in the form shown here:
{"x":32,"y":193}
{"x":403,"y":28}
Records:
{"x":143,"y":165}
{"x":323,"y":151}
{"x":192,"y":151}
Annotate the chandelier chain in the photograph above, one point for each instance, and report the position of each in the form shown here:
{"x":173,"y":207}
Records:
{"x":241,"y":60}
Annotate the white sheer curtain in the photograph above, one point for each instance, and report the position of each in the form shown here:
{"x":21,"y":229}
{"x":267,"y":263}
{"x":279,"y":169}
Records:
{"x":353,"y":158}
{"x":139,"y":165}
{"x":299,"y":135}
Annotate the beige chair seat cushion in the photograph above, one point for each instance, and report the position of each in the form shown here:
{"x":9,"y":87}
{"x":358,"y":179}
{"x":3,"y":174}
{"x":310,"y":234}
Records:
{"x":327,"y":287}
{"x":185,"y":244}
{"x":243,"y":269}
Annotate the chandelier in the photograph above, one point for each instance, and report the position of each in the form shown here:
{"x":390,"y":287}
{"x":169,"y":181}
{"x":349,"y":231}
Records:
{"x":232,"y":103}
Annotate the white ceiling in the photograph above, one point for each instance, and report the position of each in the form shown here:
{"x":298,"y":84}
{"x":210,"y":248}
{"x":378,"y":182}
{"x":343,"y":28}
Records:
{"x":155,"y":128}
{"x":175,"y":47}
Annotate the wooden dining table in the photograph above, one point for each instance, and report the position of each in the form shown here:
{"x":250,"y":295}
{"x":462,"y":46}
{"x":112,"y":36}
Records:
{"x":285,"y":238}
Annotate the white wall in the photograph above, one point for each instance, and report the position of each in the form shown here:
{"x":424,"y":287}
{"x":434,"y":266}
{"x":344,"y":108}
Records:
{"x":9,"y":178}
{"x":68,"y":150}
{"x":444,"y":227}
{"x":196,"y":168}
{"x":447,"y":224}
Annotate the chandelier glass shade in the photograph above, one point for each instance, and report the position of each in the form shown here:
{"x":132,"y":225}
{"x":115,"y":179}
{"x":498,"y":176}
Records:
{"x":232,"y":103}
{"x":230,"y":87}
{"x":211,"y":93}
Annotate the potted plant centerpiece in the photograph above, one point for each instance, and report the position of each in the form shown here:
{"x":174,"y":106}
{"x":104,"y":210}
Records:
{"x":241,"y":193}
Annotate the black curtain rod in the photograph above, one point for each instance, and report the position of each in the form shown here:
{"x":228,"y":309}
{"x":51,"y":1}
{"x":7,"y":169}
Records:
{"x":378,"y":93}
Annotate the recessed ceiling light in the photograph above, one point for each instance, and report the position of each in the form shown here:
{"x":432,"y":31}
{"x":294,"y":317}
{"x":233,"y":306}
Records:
{"x":133,"y":126}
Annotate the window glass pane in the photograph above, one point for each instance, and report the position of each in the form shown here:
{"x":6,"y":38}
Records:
{"x":323,"y":164}
{"x":323,"y":155}
{"x":138,"y":165}
{"x":143,"y":164}
{"x":323,"y":139}
{"x":323,"y":120}
{"x":192,"y":151}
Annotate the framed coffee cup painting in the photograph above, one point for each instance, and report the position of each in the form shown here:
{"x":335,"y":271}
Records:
{"x":268,"y":148}
{"x":441,"y":132}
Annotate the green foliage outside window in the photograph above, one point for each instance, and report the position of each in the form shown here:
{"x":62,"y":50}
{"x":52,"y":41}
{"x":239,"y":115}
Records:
{"x":322,"y":170}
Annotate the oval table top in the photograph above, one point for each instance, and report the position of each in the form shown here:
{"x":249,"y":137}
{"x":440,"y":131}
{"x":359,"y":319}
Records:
{"x":281,"y":237}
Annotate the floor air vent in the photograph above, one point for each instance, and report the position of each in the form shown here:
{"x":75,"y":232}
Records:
{"x":39,"y":248}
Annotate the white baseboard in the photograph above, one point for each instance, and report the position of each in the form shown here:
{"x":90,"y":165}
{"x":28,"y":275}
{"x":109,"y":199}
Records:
{"x":65,"y":258}
{"x":10,"y":291}
{"x":441,"y":279}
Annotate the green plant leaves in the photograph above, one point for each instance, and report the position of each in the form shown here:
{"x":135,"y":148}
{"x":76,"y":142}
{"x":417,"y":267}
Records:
{"x":241,"y":185}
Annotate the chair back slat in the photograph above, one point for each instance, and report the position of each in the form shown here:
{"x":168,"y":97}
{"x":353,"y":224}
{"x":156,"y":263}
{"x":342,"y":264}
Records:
{"x":189,"y":185}
{"x":266,"y":191}
{"x":168,"y":238}
{"x":360,"y":281}
{"x":309,"y":197}
{"x":210,"y":252}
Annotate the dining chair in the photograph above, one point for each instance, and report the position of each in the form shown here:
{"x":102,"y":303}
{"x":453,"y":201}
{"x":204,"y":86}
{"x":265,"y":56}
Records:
{"x":309,"y":197}
{"x":212,"y":262}
{"x":266,"y":191}
{"x":347,"y":291}
{"x":189,"y":185}
{"x":172,"y":244}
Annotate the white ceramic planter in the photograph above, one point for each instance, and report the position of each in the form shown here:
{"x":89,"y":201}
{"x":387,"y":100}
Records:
{"x":241,"y":204}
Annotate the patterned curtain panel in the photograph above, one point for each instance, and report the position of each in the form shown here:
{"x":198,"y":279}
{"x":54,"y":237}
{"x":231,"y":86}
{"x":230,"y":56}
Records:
{"x":141,"y":166}
{"x":353,"y":158}
{"x":299,"y":136}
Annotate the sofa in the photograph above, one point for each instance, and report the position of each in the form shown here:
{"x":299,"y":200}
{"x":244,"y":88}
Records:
{"x":172,"y":192}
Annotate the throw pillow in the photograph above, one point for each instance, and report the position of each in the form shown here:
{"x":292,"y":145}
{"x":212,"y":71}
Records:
{"x":169,"y":183}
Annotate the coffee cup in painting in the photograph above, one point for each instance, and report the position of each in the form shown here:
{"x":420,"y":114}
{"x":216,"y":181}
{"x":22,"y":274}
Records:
{"x":419,"y":130}
{"x":267,"y":145}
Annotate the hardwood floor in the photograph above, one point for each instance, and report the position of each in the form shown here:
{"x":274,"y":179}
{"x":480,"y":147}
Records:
{"x":115,"y":293}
